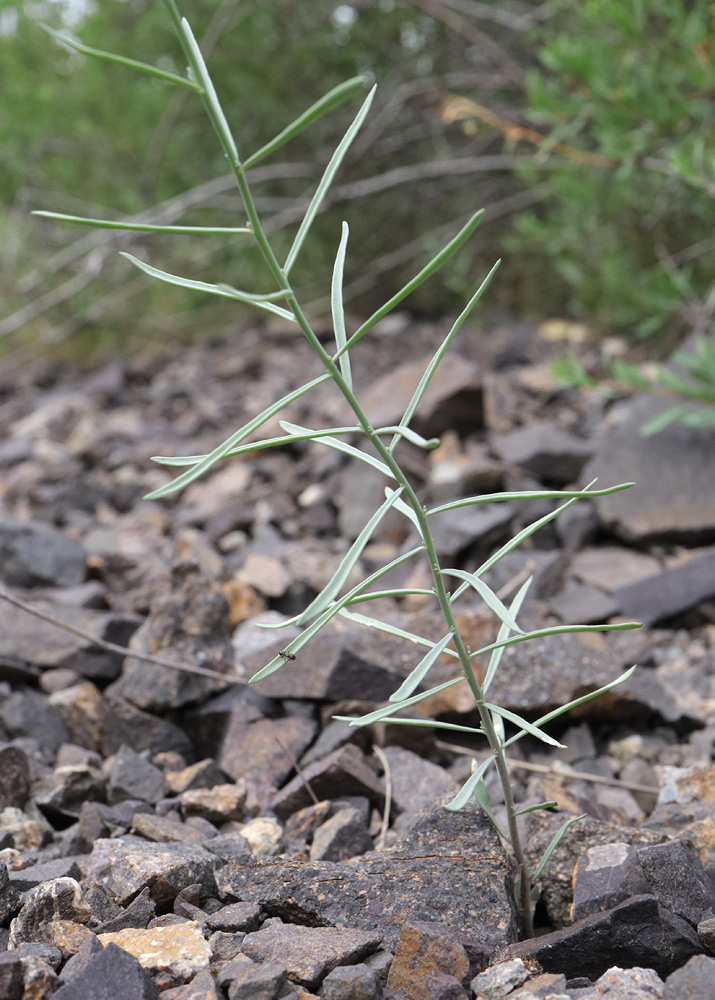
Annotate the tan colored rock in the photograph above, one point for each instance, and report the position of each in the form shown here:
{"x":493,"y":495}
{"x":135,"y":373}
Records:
{"x":172,"y":955}
{"x":218,"y":804}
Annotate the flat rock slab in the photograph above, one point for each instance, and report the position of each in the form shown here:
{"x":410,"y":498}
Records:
{"x":674,"y":499}
{"x":113,"y":974}
{"x":309,"y":953}
{"x":545,"y":451}
{"x":172,"y":955}
{"x":669,"y":593}
{"x":449,"y":869}
{"x":639,"y":932}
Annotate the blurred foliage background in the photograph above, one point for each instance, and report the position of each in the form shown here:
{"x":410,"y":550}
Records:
{"x":584,"y":127}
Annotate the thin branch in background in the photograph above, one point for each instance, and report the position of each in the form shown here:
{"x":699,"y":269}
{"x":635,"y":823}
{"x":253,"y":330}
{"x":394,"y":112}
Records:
{"x":291,"y":757}
{"x":112,"y":647}
{"x":475,"y":36}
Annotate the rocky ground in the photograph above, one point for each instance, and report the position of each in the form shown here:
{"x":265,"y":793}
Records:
{"x":186,"y":834}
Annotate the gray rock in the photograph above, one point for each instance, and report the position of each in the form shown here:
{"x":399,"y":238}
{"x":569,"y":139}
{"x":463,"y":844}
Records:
{"x":11,"y":984}
{"x":251,"y":981}
{"x":544,"y":451}
{"x":670,"y":592}
{"x":47,"y":871}
{"x":111,"y":975}
{"x":352,"y":982}
{"x":450,"y":868}
{"x":33,"y":555}
{"x":202,"y":987}
{"x":694,"y":981}
{"x":606,"y":875}
{"x":68,"y":788}
{"x":344,"y":772}
{"x":659,"y":508}
{"x":582,"y":604}
{"x":478,"y":527}
{"x":126,"y":724}
{"x":228,"y":846}
{"x":126,"y":868}
{"x":14,"y":777}
{"x":165,"y":829}
{"x":77,"y":962}
{"x":637,"y":932}
{"x":334,"y":735}
{"x":265,"y":751}
{"x":235,"y":917}
{"x":39,"y":977}
{"x":10,"y":897}
{"x":133,"y":777}
{"x":138,"y":914}
{"x":191,"y":625}
{"x":678,"y":881}
{"x":59,"y":900}
{"x":417,"y":782}
{"x":309,"y":953}
{"x":343,"y":836}
{"x":27,"y":713}
{"x":547,"y":567}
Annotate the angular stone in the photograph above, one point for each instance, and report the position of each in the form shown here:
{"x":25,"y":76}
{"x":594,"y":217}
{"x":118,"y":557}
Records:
{"x":124,"y":723}
{"x":228,"y":846}
{"x":343,"y":836}
{"x":77,"y":962}
{"x":67,"y":789}
{"x":14,"y":777}
{"x":669,"y":592}
{"x":47,"y":871}
{"x":417,"y":782}
{"x":309,"y":953}
{"x":450,"y":868}
{"x":582,"y":604}
{"x":658,"y":509}
{"x":11,"y":982}
{"x":172,"y":955}
{"x":610,"y":567}
{"x":351,"y":982}
{"x":11,"y":899}
{"x":33,"y":555}
{"x":344,"y":772}
{"x":628,"y":984}
{"x":478,"y":527}
{"x":204,"y":774}
{"x":125,"y":869}
{"x":500,"y":979}
{"x":59,"y":900}
{"x":678,"y":881}
{"x":424,"y":949}
{"x":133,"y":777}
{"x":264,"y":835}
{"x":637,"y":932}
{"x":453,"y":400}
{"x":545,"y":451}
{"x":218,"y":804}
{"x":113,"y":974}
{"x":235,"y":917}
{"x":694,"y":981}
{"x":28,"y":713}
{"x":202,"y":987}
{"x":191,"y":625}
{"x":40,"y":978}
{"x":265,"y":751}
{"x":137,"y":915}
{"x":606,"y":875}
{"x":165,"y":829}
{"x":253,"y":981}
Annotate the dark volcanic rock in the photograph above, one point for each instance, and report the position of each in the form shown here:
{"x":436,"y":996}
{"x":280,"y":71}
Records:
{"x":264,"y":752}
{"x":10,"y":899}
{"x":111,"y":975}
{"x":308,"y":953}
{"x":14,"y":777}
{"x":636,"y":933}
{"x":352,"y":982}
{"x":33,"y":555}
{"x":674,"y":471}
{"x":678,"y":881}
{"x":138,"y":914}
{"x":342,"y":773}
{"x":11,"y":984}
{"x":191,"y":625}
{"x":343,"y":836}
{"x":667,"y":594}
{"x":545,"y":451}
{"x":53,"y":902}
{"x":126,"y":868}
{"x":133,"y":777}
{"x":693,"y":982}
{"x":449,"y":869}
{"x":606,"y":875}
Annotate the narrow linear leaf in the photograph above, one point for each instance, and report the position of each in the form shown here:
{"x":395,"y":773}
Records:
{"x":383,"y":713}
{"x":337,"y":96}
{"x":528,"y":727}
{"x":488,"y":596}
{"x":557,"y":630}
{"x":537,"y":808}
{"x":347,"y":449}
{"x":337,"y":309}
{"x":375,"y":595}
{"x":663,"y":419}
{"x":482,"y":796}
{"x":415,"y":678}
{"x":140,"y":227}
{"x":424,"y":723}
{"x":326,"y":180}
{"x":495,"y":658}
{"x":393,"y":630}
{"x":225,"y":447}
{"x":553,"y":844}
{"x":427,"y":271}
{"x":575,"y":703}
{"x":181,"y":461}
{"x":202,"y":286}
{"x":468,"y":788}
{"x":439,"y":354}
{"x":528,"y":495}
{"x":411,"y":436}
{"x":408,"y":512}
{"x":208,"y":92}
{"x":331,"y":589}
{"x":141,"y":67}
